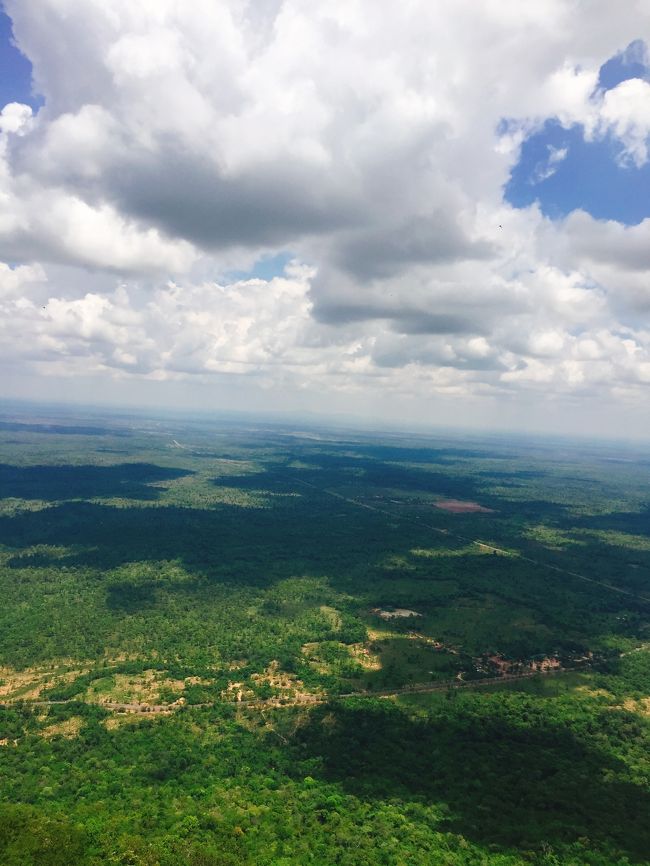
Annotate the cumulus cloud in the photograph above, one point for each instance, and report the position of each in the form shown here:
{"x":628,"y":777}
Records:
{"x":178,"y":142}
{"x":625,"y":114}
{"x":15,"y":117}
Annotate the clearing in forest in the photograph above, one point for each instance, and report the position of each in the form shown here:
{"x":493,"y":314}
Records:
{"x":459,"y":506}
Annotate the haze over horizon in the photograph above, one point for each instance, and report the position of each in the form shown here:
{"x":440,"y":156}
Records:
{"x":431,"y":214}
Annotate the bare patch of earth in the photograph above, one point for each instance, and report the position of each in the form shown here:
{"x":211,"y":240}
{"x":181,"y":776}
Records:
{"x":237,"y":692}
{"x":69,"y":729}
{"x":365,"y":657}
{"x":594,"y":693}
{"x":332,"y":616}
{"x":640,"y":706}
{"x":310,"y":650}
{"x":198,"y":681}
{"x":358,"y":652}
{"x":112,"y":723}
{"x":460,"y":506}
{"x":29,"y":683}
{"x":141,"y":688}
{"x":286,"y":687}
{"x":395,"y":612}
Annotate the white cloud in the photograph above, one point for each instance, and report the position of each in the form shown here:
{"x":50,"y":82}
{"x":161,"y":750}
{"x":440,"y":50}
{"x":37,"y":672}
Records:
{"x":625,"y":114}
{"x":548,"y":168}
{"x":372,"y":140}
{"x":622,"y":112}
{"x":18,"y":279}
{"x":15,"y":118}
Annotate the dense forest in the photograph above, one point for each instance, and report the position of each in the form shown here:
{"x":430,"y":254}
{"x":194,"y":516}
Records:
{"x":232,"y":643}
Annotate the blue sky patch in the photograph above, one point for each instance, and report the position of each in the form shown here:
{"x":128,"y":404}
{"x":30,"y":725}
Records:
{"x":563,"y":172}
{"x":631,"y":63}
{"x":15,"y":70}
{"x":265,"y":268}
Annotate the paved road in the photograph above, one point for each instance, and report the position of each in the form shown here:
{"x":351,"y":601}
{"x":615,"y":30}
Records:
{"x":109,"y":705}
{"x":306,"y":700}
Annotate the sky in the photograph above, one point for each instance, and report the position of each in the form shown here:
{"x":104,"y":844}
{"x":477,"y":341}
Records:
{"x":430,"y":212}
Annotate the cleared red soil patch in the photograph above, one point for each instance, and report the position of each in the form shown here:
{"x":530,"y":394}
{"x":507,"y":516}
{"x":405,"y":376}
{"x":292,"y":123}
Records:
{"x":458,"y":506}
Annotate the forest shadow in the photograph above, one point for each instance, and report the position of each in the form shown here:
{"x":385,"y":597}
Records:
{"x":326,"y":470}
{"x":55,"y":483}
{"x":507,"y":778}
{"x":62,"y":429}
{"x":512,"y":474}
{"x":219,"y":543}
{"x":616,"y":561}
{"x":264,"y":546}
{"x":129,"y":597}
{"x":630,"y":522}
{"x":413,"y":454}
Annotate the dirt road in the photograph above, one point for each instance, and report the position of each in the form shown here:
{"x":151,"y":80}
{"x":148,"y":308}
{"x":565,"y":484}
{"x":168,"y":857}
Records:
{"x":489,"y":547}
